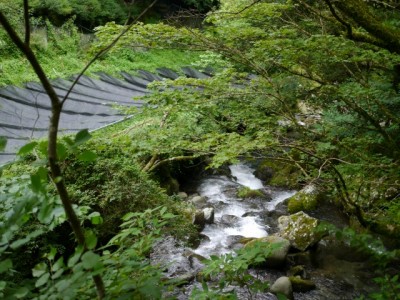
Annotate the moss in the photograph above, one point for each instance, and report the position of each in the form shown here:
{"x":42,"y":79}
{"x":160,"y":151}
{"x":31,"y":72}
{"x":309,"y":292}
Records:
{"x":302,"y":201}
{"x":246,"y":192}
{"x":301,"y":285}
{"x":278,"y":173}
{"x":299,"y":229}
{"x":305,"y":200}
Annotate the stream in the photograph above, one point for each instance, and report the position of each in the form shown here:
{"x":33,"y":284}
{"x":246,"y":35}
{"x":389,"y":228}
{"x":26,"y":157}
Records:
{"x":336,"y":274}
{"x":235,"y":217}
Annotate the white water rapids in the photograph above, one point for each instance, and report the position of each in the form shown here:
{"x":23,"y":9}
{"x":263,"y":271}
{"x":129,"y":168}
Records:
{"x":244,"y":215}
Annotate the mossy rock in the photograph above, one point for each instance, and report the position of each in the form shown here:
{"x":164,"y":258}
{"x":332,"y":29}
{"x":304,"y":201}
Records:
{"x":278,"y":173}
{"x":300,"y":230}
{"x":275,"y":250}
{"x":247,"y":193}
{"x":298,"y":270}
{"x":305,"y":200}
{"x":301,"y":285}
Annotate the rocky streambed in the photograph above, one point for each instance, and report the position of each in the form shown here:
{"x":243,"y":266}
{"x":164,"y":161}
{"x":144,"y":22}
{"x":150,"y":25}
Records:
{"x":237,"y":211}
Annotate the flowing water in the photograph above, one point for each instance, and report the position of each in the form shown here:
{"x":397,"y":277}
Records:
{"x":235,"y":217}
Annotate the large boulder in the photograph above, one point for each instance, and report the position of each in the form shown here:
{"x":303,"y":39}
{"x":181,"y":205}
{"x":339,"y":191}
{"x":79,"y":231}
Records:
{"x":275,"y":249}
{"x":182,"y":195}
{"x":300,"y":230}
{"x":198,"y":201}
{"x":282,"y":286}
{"x":306,"y":199}
{"x":278,"y":173}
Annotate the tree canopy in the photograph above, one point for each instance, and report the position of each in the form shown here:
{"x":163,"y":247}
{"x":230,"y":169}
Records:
{"x":327,"y":71}
{"x":311,"y":85}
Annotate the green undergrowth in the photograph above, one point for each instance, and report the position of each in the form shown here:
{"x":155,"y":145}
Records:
{"x":16,"y":70}
{"x":114,"y":184}
{"x":64,"y":51}
{"x":105,"y":182}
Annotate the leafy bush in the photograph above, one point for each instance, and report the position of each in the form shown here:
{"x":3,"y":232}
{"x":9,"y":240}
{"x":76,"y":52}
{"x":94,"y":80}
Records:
{"x":232,"y":269}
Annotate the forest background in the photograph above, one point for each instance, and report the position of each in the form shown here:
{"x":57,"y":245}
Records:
{"x":323,"y":108}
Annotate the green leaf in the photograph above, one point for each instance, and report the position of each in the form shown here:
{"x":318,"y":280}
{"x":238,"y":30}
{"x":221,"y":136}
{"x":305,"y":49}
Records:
{"x":82,"y":137}
{"x":169,"y":216}
{"x":52,"y":253}
{"x":91,"y":239}
{"x":90,"y":260}
{"x":96,"y":218}
{"x":27,"y":148}
{"x":3,"y":143}
{"x":46,"y":212}
{"x":281,"y":296}
{"x":5,"y":265}
{"x":39,"y":269}
{"x":62,"y":151}
{"x":36,"y":183}
{"x":57,"y":274}
{"x":42,"y":147}
{"x":58,"y":179}
{"x":59,"y":264}
{"x":163,"y":210}
{"x":19,"y":243}
{"x":62,"y":285}
{"x":75,"y":257}
{"x":21,"y":292}
{"x":42,"y":172}
{"x":42,"y":280}
{"x":68,"y":140}
{"x":87,"y":156}
{"x":3,"y":285}
{"x":128,"y":216}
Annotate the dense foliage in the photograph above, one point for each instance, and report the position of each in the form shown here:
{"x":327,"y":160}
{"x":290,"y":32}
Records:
{"x":309,"y":84}
{"x":324,"y":74}
{"x":88,"y":13}
{"x":94,"y":12}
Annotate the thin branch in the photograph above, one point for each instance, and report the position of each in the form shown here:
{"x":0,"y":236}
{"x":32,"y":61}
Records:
{"x":341,"y":21}
{"x":175,"y":158}
{"x":56,"y":174}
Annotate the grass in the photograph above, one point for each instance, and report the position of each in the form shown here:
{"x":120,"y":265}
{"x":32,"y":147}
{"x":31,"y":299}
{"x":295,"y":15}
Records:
{"x":17,"y":70}
{"x":63,"y":54}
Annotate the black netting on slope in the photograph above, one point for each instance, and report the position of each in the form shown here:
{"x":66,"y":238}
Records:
{"x":120,"y":83}
{"x":111,"y":100}
{"x":167,"y":73}
{"x":25,"y":112}
{"x":149,"y":76}
{"x":135,"y":80}
{"x":193,"y":73}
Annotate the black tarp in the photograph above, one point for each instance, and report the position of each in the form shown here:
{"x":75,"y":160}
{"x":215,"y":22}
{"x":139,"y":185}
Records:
{"x":92,"y":104}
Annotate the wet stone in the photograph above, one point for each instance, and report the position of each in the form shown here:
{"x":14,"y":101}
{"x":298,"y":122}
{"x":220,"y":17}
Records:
{"x":282,"y":286}
{"x":233,"y":241}
{"x":229,"y":220}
